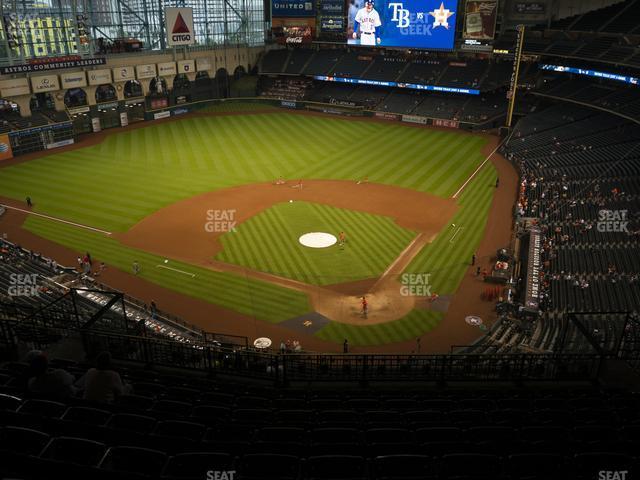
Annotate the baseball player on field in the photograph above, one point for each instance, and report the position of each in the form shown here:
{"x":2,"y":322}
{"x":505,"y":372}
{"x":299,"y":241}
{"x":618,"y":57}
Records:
{"x":366,"y":21}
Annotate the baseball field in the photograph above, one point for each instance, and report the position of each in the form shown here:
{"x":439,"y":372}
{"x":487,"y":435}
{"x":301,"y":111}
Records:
{"x":193,"y":201}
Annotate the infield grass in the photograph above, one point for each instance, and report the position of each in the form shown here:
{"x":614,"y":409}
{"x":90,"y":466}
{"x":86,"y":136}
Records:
{"x":269,"y":242}
{"x":132,"y":174}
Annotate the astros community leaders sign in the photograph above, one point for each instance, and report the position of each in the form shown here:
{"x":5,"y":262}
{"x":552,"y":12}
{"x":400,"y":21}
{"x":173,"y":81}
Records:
{"x":39,"y":67}
{"x":179,"y":25}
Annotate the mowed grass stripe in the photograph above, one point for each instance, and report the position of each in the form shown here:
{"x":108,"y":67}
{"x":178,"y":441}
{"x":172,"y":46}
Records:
{"x":297,"y":263}
{"x":456,"y":154}
{"x":355,"y":251}
{"x":115,"y":184}
{"x":274,"y":235}
{"x":448,"y":267}
{"x":261,"y":299}
{"x":356,"y":237}
{"x":409,"y":327}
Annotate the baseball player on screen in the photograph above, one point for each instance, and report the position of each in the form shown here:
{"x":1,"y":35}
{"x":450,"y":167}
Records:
{"x":367,"y":20}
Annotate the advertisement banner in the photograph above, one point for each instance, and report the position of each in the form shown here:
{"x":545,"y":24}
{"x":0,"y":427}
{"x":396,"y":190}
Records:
{"x":179,"y":25}
{"x":529,"y":8}
{"x":288,"y":104}
{"x":124,"y":119}
{"x":61,"y":143}
{"x":95,"y":125}
{"x":480,"y":19}
{"x":5,"y":147}
{"x":332,"y":7}
{"x":99,"y":77}
{"x":427,"y":24}
{"x":294,"y":35}
{"x":45,"y":83}
{"x":292,"y":8}
{"x":124,"y":74}
{"x":413,"y":86}
{"x":146,"y":71}
{"x":592,"y":73}
{"x":414,"y":119}
{"x":79,"y":110}
{"x":14,"y":87}
{"x":57,"y":65}
{"x":167,"y":69}
{"x":73,"y":80}
{"x":203,"y":64}
{"x":331,"y":24}
{"x":186,"y":66}
{"x":159,"y":115}
{"x":442,"y":122}
{"x":386,"y":116}
{"x":157,"y":103}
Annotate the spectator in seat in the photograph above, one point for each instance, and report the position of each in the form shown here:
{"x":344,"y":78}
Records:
{"x":56,"y":383}
{"x":102,"y":383}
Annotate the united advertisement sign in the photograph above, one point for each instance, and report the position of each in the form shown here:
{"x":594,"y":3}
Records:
{"x":292,"y":8}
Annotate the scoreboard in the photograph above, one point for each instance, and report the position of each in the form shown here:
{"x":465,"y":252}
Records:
{"x":417,"y":24}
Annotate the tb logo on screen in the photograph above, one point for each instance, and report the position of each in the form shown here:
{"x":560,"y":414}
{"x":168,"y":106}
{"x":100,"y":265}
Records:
{"x":400,"y":15}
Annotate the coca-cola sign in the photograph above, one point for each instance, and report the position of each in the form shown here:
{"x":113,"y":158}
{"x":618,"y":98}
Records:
{"x":295,"y":35}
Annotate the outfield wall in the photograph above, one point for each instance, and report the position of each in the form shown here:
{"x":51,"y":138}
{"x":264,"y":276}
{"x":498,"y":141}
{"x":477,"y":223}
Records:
{"x":121,"y":113}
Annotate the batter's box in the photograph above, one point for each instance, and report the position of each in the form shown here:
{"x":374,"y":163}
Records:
{"x":440,"y":304}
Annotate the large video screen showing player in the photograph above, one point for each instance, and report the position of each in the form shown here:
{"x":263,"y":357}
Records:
{"x":426,"y":24}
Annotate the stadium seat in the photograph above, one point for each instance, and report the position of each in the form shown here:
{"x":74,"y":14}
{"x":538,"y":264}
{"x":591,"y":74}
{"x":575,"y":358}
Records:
{"x":74,"y":450}
{"x":533,"y":466}
{"x":9,"y":402}
{"x":471,"y":466}
{"x":269,"y":466}
{"x":133,"y":460}
{"x":91,"y":416}
{"x":336,"y":467}
{"x":194,"y":465}
{"x":404,"y":467}
{"x":133,"y":423}
{"x":22,"y":440}
{"x":43,"y":408}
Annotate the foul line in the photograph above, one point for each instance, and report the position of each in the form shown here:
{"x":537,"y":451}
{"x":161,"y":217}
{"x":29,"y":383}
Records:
{"x":55,"y":219}
{"x":482,"y":165}
{"x":176,"y":270}
{"x":400,"y":257}
{"x":456,"y":233}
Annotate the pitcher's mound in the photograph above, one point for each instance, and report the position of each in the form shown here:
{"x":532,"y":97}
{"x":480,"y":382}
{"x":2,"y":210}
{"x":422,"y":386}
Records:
{"x":317,"y":240}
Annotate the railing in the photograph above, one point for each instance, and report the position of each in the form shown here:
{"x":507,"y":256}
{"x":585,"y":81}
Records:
{"x":348,"y":367}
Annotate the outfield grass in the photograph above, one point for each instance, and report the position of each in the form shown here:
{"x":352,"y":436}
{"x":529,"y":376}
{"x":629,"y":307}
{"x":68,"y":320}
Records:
{"x":257,"y":299}
{"x":132,"y":174}
{"x":269,"y":242}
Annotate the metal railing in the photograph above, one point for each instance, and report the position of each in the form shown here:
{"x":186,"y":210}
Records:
{"x":365,"y":368}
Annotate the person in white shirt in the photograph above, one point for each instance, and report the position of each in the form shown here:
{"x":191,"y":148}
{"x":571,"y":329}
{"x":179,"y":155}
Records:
{"x":102,"y":384}
{"x":366,"y":21}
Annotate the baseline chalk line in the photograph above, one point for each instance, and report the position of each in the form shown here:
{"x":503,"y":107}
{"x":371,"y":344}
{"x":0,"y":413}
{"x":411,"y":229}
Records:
{"x":458,"y":230}
{"x":455,"y":195}
{"x":176,"y":270}
{"x":56,"y":219}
